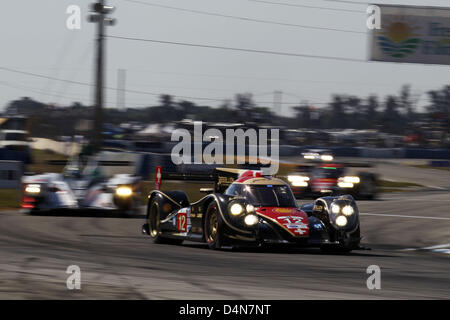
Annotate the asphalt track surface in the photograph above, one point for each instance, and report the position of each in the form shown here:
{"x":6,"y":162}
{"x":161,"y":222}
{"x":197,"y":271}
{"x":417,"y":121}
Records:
{"x":117,"y":262}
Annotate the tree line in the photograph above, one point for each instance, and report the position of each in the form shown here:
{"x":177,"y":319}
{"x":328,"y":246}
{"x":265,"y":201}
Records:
{"x":391,"y":114}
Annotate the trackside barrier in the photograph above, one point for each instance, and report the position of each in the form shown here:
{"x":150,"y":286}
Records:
{"x":381,"y":153}
{"x":10,"y":174}
{"x":13,"y":155}
{"x":427,"y":153}
{"x":441,"y":164}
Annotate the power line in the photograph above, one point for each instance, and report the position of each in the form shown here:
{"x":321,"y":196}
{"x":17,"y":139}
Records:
{"x":279,"y":53}
{"x":247,"y":19}
{"x":64,"y":86}
{"x":91,"y":85}
{"x":126,"y":90}
{"x":45,"y":76}
{"x":104,"y":87}
{"x":248,"y":77}
{"x":286,"y":4}
{"x":35,"y":90}
{"x":59,"y":59}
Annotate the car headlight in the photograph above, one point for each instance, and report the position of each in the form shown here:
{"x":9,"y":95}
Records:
{"x":251,"y":220}
{"x":249,"y":208}
{"x":299,"y":183}
{"x":326,"y":157}
{"x":347,"y":210}
{"x":124,"y":191}
{"x":335,"y":208}
{"x":345,"y":184}
{"x":350,"y":179}
{"x":236,"y":209}
{"x":297,"y":178}
{"x":341,"y":221}
{"x":33,"y":188}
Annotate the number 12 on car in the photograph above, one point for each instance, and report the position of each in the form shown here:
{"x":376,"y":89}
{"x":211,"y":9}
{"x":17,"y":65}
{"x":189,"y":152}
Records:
{"x":182,"y":222}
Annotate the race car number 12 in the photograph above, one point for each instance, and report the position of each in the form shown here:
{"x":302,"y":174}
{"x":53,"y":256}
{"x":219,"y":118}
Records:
{"x":182,"y":222}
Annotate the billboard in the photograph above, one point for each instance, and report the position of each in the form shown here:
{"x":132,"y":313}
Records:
{"x":412,"y":35}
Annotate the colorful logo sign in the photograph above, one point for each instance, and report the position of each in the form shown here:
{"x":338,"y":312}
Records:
{"x":398,"y":39}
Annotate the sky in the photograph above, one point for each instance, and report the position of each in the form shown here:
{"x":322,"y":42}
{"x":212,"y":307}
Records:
{"x":35,"y":40}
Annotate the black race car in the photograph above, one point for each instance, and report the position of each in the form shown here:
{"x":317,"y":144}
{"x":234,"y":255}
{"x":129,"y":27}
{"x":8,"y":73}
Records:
{"x":332,"y":179}
{"x":247,"y":208}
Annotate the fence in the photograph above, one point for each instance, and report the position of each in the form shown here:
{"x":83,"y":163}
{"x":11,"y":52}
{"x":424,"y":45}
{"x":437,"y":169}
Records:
{"x":10,"y":174}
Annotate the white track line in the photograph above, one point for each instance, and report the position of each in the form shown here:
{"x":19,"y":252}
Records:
{"x":446,"y":251}
{"x":402,"y":216}
{"x":414,"y":199}
{"x":438,"y":247}
{"x":442,"y":248}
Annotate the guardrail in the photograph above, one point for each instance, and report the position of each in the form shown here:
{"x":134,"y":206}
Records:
{"x":10,"y":174}
{"x":440,"y":164}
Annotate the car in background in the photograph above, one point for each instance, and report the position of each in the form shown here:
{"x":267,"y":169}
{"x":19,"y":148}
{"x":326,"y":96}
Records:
{"x":81,"y":187}
{"x":17,"y":140}
{"x":332,"y":179}
{"x":246,"y":208}
{"x":17,"y":144}
{"x":318,"y":155}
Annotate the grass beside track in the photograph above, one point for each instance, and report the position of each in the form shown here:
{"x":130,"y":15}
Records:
{"x":9,"y":199}
{"x":40,"y":161}
{"x":387,"y":186}
{"x":396,"y":184}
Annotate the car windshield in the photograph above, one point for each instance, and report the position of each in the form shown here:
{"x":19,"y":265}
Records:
{"x":327,"y":172}
{"x":15,"y":136}
{"x":269,"y":195}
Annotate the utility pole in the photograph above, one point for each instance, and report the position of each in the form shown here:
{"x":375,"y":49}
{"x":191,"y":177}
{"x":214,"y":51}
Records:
{"x":100,"y":11}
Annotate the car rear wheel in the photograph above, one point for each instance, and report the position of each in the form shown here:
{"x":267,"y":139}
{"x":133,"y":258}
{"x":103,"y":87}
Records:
{"x":154,"y":228}
{"x":212,"y":227}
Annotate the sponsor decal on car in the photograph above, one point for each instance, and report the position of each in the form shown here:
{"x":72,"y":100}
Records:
{"x":293,"y":220}
{"x":182,"y":221}
{"x":283,"y":210}
{"x":295,"y":224}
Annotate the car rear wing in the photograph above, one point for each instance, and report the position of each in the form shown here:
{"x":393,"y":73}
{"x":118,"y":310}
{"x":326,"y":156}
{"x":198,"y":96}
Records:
{"x":221,"y":177}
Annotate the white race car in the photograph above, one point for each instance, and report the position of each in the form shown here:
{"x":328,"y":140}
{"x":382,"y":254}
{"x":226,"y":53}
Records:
{"x":321,"y":155}
{"x":78,"y":188}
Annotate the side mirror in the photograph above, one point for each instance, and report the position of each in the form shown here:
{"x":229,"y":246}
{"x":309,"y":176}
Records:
{"x":206,"y":190}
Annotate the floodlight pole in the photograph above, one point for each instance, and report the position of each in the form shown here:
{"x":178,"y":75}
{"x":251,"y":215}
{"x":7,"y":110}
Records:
{"x":100,"y":11}
{"x":98,"y":113}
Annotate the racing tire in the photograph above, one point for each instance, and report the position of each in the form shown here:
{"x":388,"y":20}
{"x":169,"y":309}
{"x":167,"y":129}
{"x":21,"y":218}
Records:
{"x":212,"y":227}
{"x":343,"y":247}
{"x":368,"y":188}
{"x":154,"y":226}
{"x":29,"y":212}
